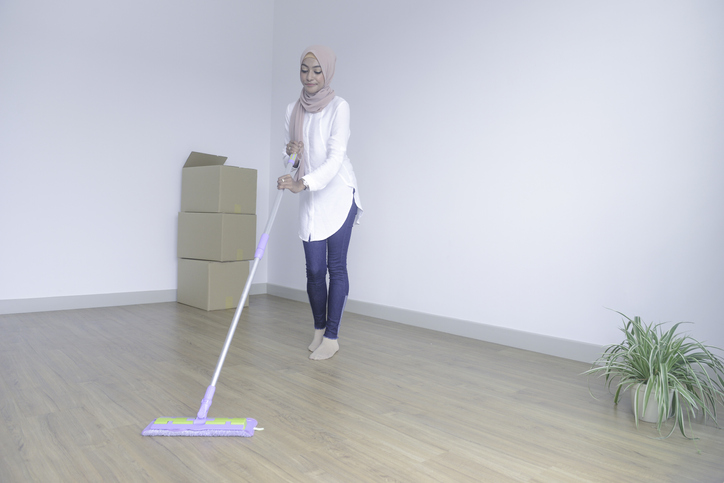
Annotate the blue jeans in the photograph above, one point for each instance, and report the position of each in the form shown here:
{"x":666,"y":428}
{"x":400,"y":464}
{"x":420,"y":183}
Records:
{"x":329,"y":255}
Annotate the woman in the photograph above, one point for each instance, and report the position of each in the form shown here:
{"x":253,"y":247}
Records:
{"x":317,"y":128}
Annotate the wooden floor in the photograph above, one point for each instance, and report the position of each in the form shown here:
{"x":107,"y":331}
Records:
{"x":397,"y":403}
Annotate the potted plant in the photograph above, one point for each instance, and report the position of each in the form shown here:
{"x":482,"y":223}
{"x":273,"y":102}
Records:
{"x":679,"y":373}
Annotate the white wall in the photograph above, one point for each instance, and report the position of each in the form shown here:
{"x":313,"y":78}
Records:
{"x":100,"y":104}
{"x":525,"y":164}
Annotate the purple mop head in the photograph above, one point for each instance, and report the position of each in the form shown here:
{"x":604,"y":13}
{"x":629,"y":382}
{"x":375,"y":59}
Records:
{"x":201,"y":425}
{"x":193,"y":427}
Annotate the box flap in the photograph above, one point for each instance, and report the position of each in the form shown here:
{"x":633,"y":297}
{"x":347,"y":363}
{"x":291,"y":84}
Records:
{"x":201,"y":159}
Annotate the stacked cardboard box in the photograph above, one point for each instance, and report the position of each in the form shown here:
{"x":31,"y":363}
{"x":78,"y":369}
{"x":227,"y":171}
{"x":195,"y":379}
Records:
{"x":216,"y":232}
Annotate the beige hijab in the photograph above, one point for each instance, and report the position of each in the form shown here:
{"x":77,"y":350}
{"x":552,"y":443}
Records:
{"x":312,"y":103}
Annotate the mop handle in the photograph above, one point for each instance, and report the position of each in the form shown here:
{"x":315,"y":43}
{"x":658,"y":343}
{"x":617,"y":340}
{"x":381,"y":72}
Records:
{"x":257,"y":256}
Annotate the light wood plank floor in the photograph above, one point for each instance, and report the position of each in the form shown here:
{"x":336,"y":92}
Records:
{"x":397,"y":403}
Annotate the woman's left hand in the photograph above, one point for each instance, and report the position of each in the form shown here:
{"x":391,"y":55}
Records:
{"x":287,"y":183}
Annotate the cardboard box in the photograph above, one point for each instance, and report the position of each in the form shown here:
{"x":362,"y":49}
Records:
{"x":220,"y":237}
{"x":207,"y":186}
{"x":211,"y":285}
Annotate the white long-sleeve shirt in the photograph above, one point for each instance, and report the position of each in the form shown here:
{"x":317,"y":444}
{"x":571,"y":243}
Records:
{"x":324,"y":206}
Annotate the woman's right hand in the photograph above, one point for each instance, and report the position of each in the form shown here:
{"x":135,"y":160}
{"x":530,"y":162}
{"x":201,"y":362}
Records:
{"x":294,"y":147}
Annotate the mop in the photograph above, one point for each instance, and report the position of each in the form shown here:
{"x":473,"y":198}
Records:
{"x":201,"y":425}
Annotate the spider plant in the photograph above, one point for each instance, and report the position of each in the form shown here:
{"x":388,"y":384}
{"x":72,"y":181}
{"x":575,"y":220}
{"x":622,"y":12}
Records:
{"x":667,"y":362}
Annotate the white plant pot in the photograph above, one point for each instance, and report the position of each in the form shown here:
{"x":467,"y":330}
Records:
{"x":650,"y":413}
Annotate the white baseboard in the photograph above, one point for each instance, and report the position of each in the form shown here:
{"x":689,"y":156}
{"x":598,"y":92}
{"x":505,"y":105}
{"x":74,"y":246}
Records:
{"x":554,"y":346}
{"x":49,"y":304}
{"x":544,"y":344}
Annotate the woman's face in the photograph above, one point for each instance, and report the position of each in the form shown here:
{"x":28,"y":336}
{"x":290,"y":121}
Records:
{"x":311,"y":75}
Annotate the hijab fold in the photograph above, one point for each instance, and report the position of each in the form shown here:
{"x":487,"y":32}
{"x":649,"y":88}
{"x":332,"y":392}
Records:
{"x":312,"y":103}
